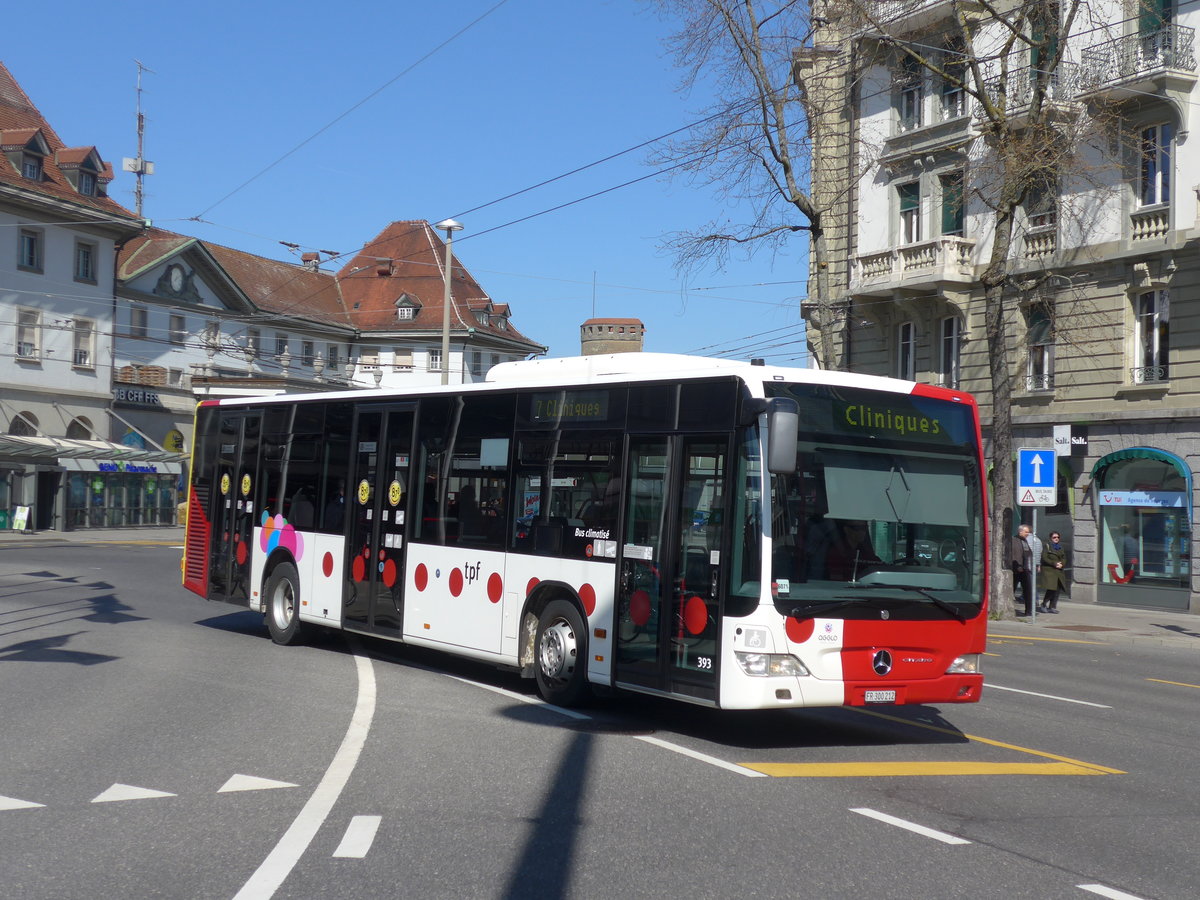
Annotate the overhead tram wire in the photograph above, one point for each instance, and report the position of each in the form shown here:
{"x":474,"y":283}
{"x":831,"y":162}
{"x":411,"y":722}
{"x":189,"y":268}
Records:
{"x":360,"y":103}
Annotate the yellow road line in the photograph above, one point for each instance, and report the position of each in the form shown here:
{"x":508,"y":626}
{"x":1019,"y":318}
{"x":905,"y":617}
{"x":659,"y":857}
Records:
{"x":1104,"y":770}
{"x":895,"y":769}
{"x":1026,"y":637}
{"x":1177,"y":683}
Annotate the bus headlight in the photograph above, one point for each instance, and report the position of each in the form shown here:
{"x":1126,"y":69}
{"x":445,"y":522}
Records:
{"x":964,"y":665}
{"x":765,"y":665}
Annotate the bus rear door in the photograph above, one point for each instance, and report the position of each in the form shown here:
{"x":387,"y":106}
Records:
{"x":232,"y":510}
{"x":667,"y":606}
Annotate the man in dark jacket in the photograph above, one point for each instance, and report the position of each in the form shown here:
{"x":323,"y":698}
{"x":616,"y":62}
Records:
{"x":1022,"y":562}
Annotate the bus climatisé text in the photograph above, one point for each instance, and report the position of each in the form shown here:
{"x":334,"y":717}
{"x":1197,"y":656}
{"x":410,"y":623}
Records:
{"x":740,"y":536}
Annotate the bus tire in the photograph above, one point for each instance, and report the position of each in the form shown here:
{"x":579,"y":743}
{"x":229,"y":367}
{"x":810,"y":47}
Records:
{"x":283,"y":604}
{"x":560,"y":649}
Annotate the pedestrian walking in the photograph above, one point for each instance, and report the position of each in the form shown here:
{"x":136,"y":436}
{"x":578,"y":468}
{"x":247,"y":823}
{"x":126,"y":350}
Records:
{"x":1053,"y":577}
{"x":1021,"y":559}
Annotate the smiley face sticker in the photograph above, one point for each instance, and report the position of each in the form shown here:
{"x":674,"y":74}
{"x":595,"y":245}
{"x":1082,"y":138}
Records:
{"x":395,"y":492}
{"x":364,"y":492}
{"x":246,"y":485}
{"x":226,"y":483}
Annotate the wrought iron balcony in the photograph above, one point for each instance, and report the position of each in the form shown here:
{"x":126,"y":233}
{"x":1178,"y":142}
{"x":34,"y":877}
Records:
{"x":1149,"y":374}
{"x":1135,"y":58}
{"x":1018,"y":87}
{"x":1035,"y":383}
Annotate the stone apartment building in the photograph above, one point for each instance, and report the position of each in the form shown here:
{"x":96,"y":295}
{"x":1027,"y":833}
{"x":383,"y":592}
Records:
{"x":1104,"y":319}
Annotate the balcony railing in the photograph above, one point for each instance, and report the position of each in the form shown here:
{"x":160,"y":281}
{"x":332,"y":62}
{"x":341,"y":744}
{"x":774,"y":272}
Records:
{"x":1138,"y":55}
{"x":1035,"y":383}
{"x":1150,"y":223}
{"x":1019,"y":86}
{"x":1148,"y":374}
{"x":946,"y":258}
{"x":1041,"y":241}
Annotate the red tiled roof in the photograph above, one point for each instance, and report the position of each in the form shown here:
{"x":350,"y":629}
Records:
{"x":418,"y":259}
{"x":19,"y":116}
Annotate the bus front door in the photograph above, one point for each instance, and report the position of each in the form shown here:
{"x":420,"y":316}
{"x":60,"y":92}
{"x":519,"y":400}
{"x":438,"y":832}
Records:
{"x":668,"y":607}
{"x":232,"y":512}
{"x":375,"y":504}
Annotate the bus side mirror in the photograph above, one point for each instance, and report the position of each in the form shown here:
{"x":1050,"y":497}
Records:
{"x":783,"y":432}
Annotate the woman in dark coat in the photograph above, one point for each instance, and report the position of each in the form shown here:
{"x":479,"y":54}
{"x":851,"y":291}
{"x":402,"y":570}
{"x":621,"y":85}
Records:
{"x":1053,"y":577}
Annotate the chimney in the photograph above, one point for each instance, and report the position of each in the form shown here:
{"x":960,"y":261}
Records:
{"x":311,"y":261}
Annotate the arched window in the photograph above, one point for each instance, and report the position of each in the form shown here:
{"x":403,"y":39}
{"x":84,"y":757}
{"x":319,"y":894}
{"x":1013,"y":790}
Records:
{"x":1144,"y":505}
{"x":80,"y":429}
{"x":23,"y":425}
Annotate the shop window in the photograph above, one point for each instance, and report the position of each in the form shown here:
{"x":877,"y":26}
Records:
{"x":1144,"y":499}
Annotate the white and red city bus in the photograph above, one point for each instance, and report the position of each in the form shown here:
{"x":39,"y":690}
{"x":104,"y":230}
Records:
{"x":728,"y":534}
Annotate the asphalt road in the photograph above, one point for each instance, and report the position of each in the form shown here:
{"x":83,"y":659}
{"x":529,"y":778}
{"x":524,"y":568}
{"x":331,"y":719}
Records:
{"x":155,"y":745}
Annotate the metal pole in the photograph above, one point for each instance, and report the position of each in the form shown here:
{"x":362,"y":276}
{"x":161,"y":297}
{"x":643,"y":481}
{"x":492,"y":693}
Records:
{"x":449,"y":226}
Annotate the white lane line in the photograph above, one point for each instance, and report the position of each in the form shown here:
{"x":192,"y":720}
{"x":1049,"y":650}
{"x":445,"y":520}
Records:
{"x":702,"y":757}
{"x":1103,"y":891}
{"x":119,"y":792}
{"x":359,"y":836}
{"x":281,"y":860}
{"x":910,"y":826}
{"x":252,"y":783}
{"x":7,"y":803}
{"x":524,"y":698}
{"x":998,"y":687}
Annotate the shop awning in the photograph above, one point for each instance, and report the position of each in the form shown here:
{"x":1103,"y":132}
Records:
{"x":1144,"y":453}
{"x":50,"y":450}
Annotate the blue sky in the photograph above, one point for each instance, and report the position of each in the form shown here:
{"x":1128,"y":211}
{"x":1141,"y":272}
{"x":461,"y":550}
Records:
{"x":365,"y":113}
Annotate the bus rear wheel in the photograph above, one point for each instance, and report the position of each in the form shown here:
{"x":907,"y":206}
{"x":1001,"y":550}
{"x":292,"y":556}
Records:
{"x":561,"y":646}
{"x":283,"y":604}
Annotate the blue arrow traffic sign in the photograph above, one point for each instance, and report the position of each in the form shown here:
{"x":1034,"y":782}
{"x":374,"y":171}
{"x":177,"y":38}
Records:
{"x":1036,"y":477}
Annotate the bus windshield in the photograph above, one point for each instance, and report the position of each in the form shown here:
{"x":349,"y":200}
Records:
{"x":878,"y":524}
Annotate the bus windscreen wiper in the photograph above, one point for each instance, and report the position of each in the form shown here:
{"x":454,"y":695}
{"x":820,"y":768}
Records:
{"x":924,"y":592}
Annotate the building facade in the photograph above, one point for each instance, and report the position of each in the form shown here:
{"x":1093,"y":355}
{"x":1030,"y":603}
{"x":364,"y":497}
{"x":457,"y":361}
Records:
{"x":1103,"y":270}
{"x":114,"y":330}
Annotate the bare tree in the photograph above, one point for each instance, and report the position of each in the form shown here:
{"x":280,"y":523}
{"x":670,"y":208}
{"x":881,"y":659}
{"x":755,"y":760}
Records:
{"x":1008,"y":60}
{"x":754,"y":145}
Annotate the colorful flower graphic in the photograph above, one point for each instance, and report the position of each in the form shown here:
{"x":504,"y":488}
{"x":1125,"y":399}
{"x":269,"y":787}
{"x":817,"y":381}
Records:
{"x":276,"y":532}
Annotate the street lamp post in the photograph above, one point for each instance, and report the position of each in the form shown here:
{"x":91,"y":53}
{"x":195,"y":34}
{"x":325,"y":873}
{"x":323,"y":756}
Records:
{"x":449,"y":226}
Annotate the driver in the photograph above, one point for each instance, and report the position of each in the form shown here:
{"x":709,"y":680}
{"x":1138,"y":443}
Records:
{"x":851,"y":553}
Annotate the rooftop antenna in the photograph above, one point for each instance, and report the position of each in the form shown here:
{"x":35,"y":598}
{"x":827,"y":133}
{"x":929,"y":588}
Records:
{"x":140,"y":166}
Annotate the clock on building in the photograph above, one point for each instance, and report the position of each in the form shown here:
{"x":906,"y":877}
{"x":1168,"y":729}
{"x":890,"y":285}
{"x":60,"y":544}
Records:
{"x":175,"y":276}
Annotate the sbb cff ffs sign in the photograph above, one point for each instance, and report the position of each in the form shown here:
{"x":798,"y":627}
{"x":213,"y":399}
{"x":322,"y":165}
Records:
{"x":1036,"y":477}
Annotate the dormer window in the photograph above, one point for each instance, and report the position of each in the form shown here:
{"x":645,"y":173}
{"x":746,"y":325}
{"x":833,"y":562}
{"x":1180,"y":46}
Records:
{"x":405,"y":312}
{"x":501,"y":323}
{"x":31,"y":167}
{"x":87,"y":184}
{"x":406,"y":308}
{"x":482,"y":317}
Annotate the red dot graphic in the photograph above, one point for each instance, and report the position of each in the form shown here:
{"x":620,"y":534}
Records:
{"x":359,"y":569}
{"x":327,"y":564}
{"x":495,"y":587}
{"x":241,"y":553}
{"x":639,"y":607}
{"x":533,"y":582}
{"x":421,"y":577}
{"x":456,"y":582}
{"x":799,"y":630}
{"x":695,"y":615}
{"x":389,"y":572}
{"x":587,"y":594}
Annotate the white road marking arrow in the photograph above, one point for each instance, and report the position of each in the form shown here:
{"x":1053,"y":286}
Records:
{"x":252,"y":783}
{"x":129,"y":792}
{"x":14,"y":803}
{"x":1037,"y":462}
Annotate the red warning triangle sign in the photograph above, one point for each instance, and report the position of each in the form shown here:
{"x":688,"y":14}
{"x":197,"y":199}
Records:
{"x":1028,"y":497}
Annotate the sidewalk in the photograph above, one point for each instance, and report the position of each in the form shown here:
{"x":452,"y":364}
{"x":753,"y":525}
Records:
{"x":1107,"y":624}
{"x":150,"y":534}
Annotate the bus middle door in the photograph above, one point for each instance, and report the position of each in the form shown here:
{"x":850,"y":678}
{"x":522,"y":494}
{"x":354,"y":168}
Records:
{"x":668,"y":602}
{"x":375,"y":504}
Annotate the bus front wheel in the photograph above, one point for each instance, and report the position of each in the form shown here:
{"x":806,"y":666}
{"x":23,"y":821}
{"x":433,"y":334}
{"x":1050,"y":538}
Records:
{"x":283,"y":604}
{"x":561,"y":655}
